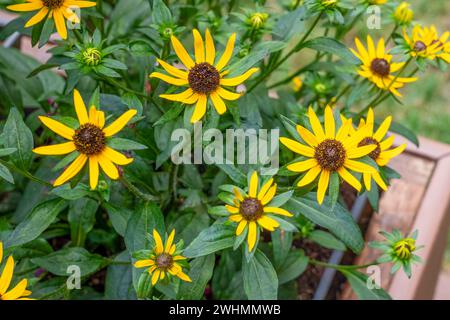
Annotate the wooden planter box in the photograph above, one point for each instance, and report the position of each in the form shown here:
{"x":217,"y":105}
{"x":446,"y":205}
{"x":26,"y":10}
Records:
{"x":419,"y":200}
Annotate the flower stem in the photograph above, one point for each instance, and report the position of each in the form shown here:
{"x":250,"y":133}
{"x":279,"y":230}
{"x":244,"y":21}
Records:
{"x":342,"y":267}
{"x":290,"y":53}
{"x":24,"y":173}
{"x":138,"y":193}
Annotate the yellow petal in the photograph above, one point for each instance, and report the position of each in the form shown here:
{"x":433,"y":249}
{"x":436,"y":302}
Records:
{"x":169,"y":79}
{"x":351,"y":180}
{"x":226,"y":56}
{"x":38,"y":17}
{"x":238,"y":80}
{"x":278,"y":211}
{"x":236,"y":217}
{"x":361,"y":151}
{"x":116,"y":157}
{"x":172,"y":70}
{"x":155,"y":277}
{"x":144,"y":263}
{"x":80,"y":107}
{"x":323,"y":185}
{"x":388,"y":155}
{"x":253,"y":187}
{"x":108,"y":167}
{"x":1,"y":252}
{"x":218,"y":103}
{"x":231,"y":209}
{"x":56,"y":149}
{"x":268,"y":223}
{"x":71,"y":170}
{"x":380,"y":48}
{"x":383,"y":129}
{"x":101,"y":119}
{"x":344,"y":130}
{"x":23,"y":7}
{"x":5,"y":279}
{"x":210,"y":48}
{"x":241,"y":227}
{"x":386,"y":144}
{"x":238,"y":194}
{"x":371,"y":47}
{"x":120,"y":122}
{"x":81,"y":4}
{"x":251,"y":238}
{"x":367,"y":180}
{"x":228,"y":95}
{"x":169,"y":241}
{"x":183,"y":276}
{"x":302,"y":166}
{"x":198,"y":47}
{"x":316,"y":126}
{"x":359,"y":166}
{"x":60,"y":23}
{"x":307,"y":136}
{"x":376,"y":176}
{"x":200,"y":108}
{"x":93,"y":172}
{"x":310,"y":176}
{"x":159,"y":248}
{"x":362,"y":50}
{"x":330,"y":128}
{"x":181,"y":97}
{"x":297,"y":147}
{"x":269,"y":195}
{"x":17,"y":292}
{"x":182,"y":53}
{"x":192,"y":99}
{"x":264,"y":189}
{"x":370,"y":121}
{"x":58,"y":128}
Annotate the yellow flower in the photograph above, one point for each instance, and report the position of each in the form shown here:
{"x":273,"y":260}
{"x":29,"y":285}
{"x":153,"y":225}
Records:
{"x":58,"y":9}
{"x":203,"y":77}
{"x":404,"y":248}
{"x":379,"y":2}
{"x":426,"y":43}
{"x":381,"y":154}
{"x":297,"y":84}
{"x":257,"y":19}
{"x":253,"y":209}
{"x":377,"y":66}
{"x":19,"y":292}
{"x":90,"y":140}
{"x":163,"y":260}
{"x":403,"y":14}
{"x":329,"y":151}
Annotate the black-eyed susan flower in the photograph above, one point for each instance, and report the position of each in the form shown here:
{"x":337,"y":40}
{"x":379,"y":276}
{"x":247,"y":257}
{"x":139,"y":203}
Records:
{"x":19,"y":292}
{"x":252,"y":211}
{"x":377,"y":66}
{"x":89,"y":140}
{"x":399,"y":250}
{"x":425,"y":42}
{"x":403,"y":14}
{"x":164,"y":260}
{"x":330,"y":150}
{"x":382,"y":153}
{"x":59,"y":10}
{"x":204,"y":77}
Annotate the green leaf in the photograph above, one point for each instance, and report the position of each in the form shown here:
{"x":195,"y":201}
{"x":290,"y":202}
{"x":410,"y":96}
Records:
{"x":81,"y":219}
{"x":142,"y":222}
{"x":260,"y":278}
{"x":119,"y":281}
{"x":41,"y":68}
{"x":326,"y":239}
{"x":144,"y":287}
{"x":201,"y":273}
{"x":58,"y":262}
{"x":6,"y":174}
{"x":235,"y":174}
{"x":119,"y":217}
{"x":295,"y":264}
{"x":405,"y":132}
{"x":161,"y":14}
{"x":125,"y":144}
{"x":18,"y":135}
{"x":36,"y":222}
{"x":373,"y":195}
{"x":171,"y":114}
{"x":330,"y":45}
{"x":68,"y":193}
{"x":282,"y":243}
{"x":358,"y":282}
{"x":334,"y":188}
{"x":289,"y":24}
{"x":217,"y":237}
{"x":336,"y":219}
{"x":133,"y":102}
{"x":7,"y":151}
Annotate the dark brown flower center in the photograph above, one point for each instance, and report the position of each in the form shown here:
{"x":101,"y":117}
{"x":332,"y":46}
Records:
{"x":381,"y":67}
{"x":251,"y":209}
{"x":368,"y":141}
{"x":330,"y":154}
{"x":89,"y":139}
{"x":52,"y":4}
{"x":419,"y":46}
{"x":164,"y":261}
{"x":203,"y":78}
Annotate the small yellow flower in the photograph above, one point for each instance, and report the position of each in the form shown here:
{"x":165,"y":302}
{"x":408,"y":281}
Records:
{"x":204,"y":77}
{"x":382,"y":154}
{"x":426,"y":43}
{"x":253,"y":209}
{"x":297,"y":84}
{"x":257,"y":19}
{"x":90,"y":141}
{"x":19,"y":292}
{"x":163,"y":260}
{"x":403,"y":14}
{"x":330,"y":150}
{"x":92,"y":56}
{"x":404,"y":248}
{"x":378,"y":2}
{"x":58,"y":9}
{"x":377,"y":66}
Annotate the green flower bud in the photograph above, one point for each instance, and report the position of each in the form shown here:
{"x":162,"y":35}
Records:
{"x":92,"y":56}
{"x":258,"y":19}
{"x":404,"y":248}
